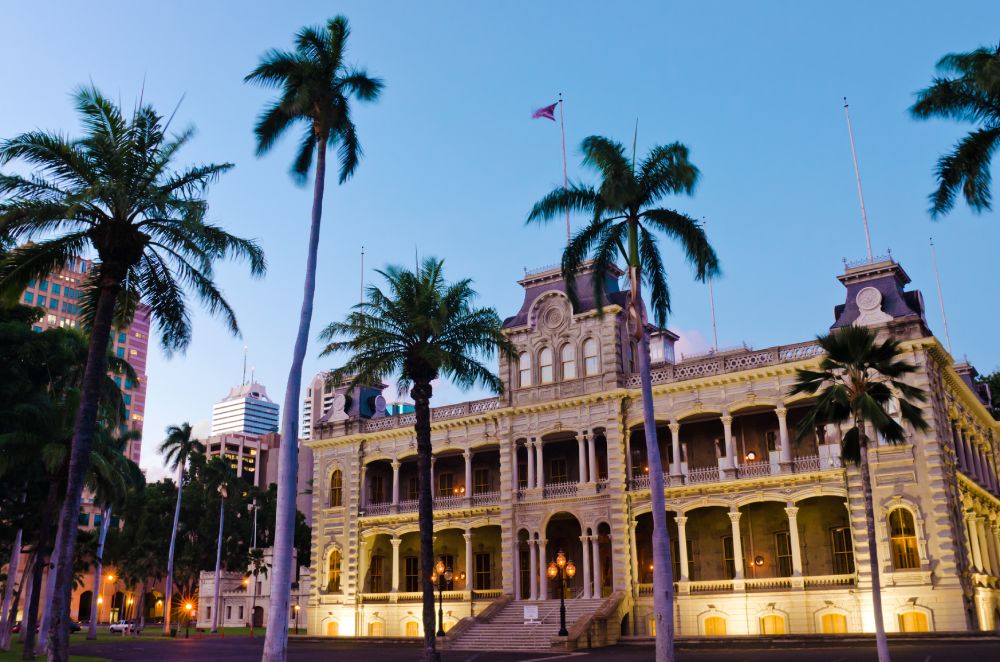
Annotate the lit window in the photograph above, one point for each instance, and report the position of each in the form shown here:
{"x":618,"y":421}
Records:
{"x":29,"y":297}
{"x":772,"y":624}
{"x":833,"y":624}
{"x":715,"y":626}
{"x":590,"y":357}
{"x":903,"y":537}
{"x":133,"y":352}
{"x":913,"y":621}
{"x":333,"y":572}
{"x":376,"y":629}
{"x":336,"y":489}
{"x":524,"y":369}
{"x":843,"y":553}
{"x":412,"y":629}
{"x":545,"y":365}
{"x":568,"y":359}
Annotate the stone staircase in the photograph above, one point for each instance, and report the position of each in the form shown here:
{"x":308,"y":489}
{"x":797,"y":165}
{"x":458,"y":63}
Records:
{"x":507,"y":631}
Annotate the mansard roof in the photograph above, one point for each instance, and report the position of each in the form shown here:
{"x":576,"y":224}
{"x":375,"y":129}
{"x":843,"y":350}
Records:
{"x":549,"y":279}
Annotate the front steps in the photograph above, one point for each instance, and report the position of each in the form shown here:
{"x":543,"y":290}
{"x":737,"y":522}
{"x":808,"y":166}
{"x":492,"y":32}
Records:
{"x":507,"y":630}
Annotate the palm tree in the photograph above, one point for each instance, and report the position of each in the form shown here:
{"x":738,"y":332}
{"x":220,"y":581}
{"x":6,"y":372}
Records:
{"x":220,"y":477}
{"x":177,"y":449}
{"x":968,"y":91}
{"x":420,"y":329}
{"x":316,"y":87}
{"x":113,"y":192}
{"x":858,"y":380}
{"x":624,"y":220}
{"x":258,"y":566}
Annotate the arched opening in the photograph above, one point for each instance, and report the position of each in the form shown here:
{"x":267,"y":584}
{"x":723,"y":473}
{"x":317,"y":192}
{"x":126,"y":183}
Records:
{"x":702,"y":443}
{"x":332,"y":627}
{"x":563,"y":533}
{"x":153,"y":606}
{"x":710,"y":533}
{"x":523,"y":561}
{"x":601,"y":450}
{"x":333,"y":572}
{"x":825,"y":536}
{"x":913,"y":621}
{"x":117,"y":607}
{"x":561,"y":459}
{"x":376,"y":629}
{"x":645,"y":563}
{"x":624,"y":626}
{"x":766,"y":540}
{"x":567,"y":361}
{"x":83,"y":608}
{"x":833,"y":623}
{"x":378,"y":484}
{"x":412,"y":629}
{"x":336,"y":489}
{"x":714,"y":626}
{"x":772,"y":624}
{"x":637,"y":450}
{"x":604,"y":560}
{"x":903,"y":539}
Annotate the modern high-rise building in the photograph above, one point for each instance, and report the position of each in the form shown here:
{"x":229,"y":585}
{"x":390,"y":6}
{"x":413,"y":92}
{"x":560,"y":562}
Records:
{"x":246,"y":410}
{"x":60,"y":296}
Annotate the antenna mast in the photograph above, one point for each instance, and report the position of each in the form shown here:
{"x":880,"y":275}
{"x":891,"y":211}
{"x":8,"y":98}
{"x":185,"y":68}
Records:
{"x":361,"y":299}
{"x":857,"y":176}
{"x":937,"y":278}
{"x":243,"y":383}
{"x":711,"y":302}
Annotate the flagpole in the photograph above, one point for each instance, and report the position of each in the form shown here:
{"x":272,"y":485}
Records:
{"x":711,"y":302}
{"x":562,"y":129}
{"x":857,"y":176}
{"x":937,"y":277}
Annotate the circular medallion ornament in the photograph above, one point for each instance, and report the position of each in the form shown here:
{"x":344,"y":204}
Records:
{"x":869,"y":299}
{"x":553,"y":318}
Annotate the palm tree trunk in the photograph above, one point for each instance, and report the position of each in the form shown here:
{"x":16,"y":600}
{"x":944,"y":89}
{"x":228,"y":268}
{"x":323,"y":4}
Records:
{"x":45,"y":622}
{"x":276,"y":637}
{"x":218,"y":568}
{"x":421,"y":393}
{"x":98,"y":572}
{"x":881,"y":641}
{"x":79,"y":460}
{"x":5,"y":643}
{"x":42,"y":560}
{"x":169,"y":583}
{"x":140,"y":608}
{"x":8,"y":593}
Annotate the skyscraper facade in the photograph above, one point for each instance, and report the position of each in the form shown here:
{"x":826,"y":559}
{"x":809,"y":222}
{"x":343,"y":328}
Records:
{"x":246,"y":410}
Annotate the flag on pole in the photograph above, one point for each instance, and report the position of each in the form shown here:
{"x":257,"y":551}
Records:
{"x":548,"y":112}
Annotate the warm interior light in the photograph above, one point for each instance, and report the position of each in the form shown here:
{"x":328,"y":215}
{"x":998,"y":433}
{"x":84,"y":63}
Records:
{"x":296,"y":607}
{"x":651,"y":567}
{"x":111,"y":578}
{"x":461,"y":576}
{"x":100,"y":600}
{"x":645,"y":469}
{"x":434,"y":576}
{"x":245,"y":581}
{"x":159,"y":603}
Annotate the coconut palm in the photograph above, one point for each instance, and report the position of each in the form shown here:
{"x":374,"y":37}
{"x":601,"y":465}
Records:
{"x":858,"y":380}
{"x":113,"y":192}
{"x":968,"y":90}
{"x":177,"y":449}
{"x":220,"y":477}
{"x":625,"y":221}
{"x":420,"y":329}
{"x":316,"y":88}
{"x":258,"y":566}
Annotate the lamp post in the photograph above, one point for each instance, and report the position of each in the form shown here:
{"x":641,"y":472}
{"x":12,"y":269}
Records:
{"x":441,"y":576}
{"x":561,"y":569}
{"x":296,"y":609}
{"x":187,"y":626}
{"x":111,"y":578}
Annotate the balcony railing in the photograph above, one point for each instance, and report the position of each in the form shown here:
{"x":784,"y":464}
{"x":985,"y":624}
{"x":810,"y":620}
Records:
{"x":486,"y":498}
{"x":700,"y":475}
{"x":408,"y":506}
{"x":704,"y":475}
{"x":806,"y":464}
{"x":561,"y":489}
{"x":753,"y":470}
{"x":373,"y":509}
{"x":448,"y":502}
{"x":829,"y":580}
{"x":437,"y":414}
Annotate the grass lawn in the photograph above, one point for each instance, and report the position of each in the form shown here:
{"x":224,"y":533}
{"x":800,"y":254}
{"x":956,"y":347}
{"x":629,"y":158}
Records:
{"x":155,"y":633}
{"x":15,"y":654}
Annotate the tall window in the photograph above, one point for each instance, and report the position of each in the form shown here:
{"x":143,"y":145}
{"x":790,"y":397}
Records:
{"x":558,"y":471}
{"x":525,"y":567}
{"x":336,"y":489}
{"x":333,"y":572}
{"x":590,"y":366}
{"x":411,"y":574}
{"x":522,"y":474}
{"x":376,"y":492}
{"x":483,"y":581}
{"x":444,"y":484}
{"x":524,"y":369}
{"x":783,"y":553}
{"x":727,"y":557}
{"x":449,"y":562}
{"x":376,"y":629}
{"x":412,"y":489}
{"x":376,"y":573}
{"x":903,"y":537}
{"x":913,"y":621}
{"x":843,"y":553}
{"x":567,"y":356}
{"x":480,"y":480}
{"x":675,"y":559}
{"x":412,"y":629}
{"x":545,"y":365}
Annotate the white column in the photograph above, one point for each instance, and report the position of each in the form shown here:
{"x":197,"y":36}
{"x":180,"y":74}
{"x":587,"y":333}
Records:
{"x":533,"y":572}
{"x":468,"y":560}
{"x":675,"y":443}
{"x":543,"y":580}
{"x":727,"y":433}
{"x":529,"y":447}
{"x":734,"y":517}
{"x":468,"y":475}
{"x":539,"y":465}
{"x":587,"y":585}
{"x":592,"y":458}
{"x":978,"y":455}
{"x":395,"y":482}
{"x":634,"y":544}
{"x":793,"y":539}
{"x":595,"y":554}
{"x":517,"y":570}
{"x":581,"y":454}
{"x":682,"y":547}
{"x":972,"y":527}
{"x":994,"y":533}
{"x":363,"y":497}
{"x":395,"y":562}
{"x":786,"y":446}
{"x":970,"y":467}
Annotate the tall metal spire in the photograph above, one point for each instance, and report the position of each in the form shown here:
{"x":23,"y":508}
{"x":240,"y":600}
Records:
{"x":361,"y":298}
{"x":711,"y":302}
{"x":937,"y":278}
{"x":857,"y":176}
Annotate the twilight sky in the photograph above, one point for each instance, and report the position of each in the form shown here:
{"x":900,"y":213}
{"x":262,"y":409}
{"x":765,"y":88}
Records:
{"x":453,"y":162}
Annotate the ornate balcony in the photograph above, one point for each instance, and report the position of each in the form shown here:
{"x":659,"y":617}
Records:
{"x":560,"y":490}
{"x":702,"y":475}
{"x":491,"y":498}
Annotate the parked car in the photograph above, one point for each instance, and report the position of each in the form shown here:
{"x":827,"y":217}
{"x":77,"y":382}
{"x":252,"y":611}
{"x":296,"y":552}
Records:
{"x":124,"y":626}
{"x":74,"y":627}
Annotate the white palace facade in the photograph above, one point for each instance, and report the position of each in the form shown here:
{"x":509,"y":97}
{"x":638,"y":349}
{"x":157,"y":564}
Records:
{"x":767,"y":528}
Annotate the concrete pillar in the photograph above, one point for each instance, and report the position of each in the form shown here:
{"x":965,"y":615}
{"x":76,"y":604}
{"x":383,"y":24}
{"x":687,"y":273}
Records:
{"x":595,"y":552}
{"x":517,"y":570}
{"x":592,"y":457}
{"x":543,"y":580}
{"x":581,"y":455}
{"x":469,"y":568}
{"x":675,"y":443}
{"x":972,"y":525}
{"x":363,"y":497}
{"x":734,"y":517}
{"x":793,"y":539}
{"x":533,"y":572}
{"x":468,"y":476}
{"x":990,"y":534}
{"x":529,"y":447}
{"x":995,"y":539}
{"x":395,"y":482}
{"x":682,"y":547}
{"x":539,"y":465}
{"x":727,"y":433}
{"x":786,"y":445}
{"x":634,"y":548}
{"x":968,"y":467}
{"x":984,"y":546}
{"x":587,"y":582}
{"x":395,"y":563}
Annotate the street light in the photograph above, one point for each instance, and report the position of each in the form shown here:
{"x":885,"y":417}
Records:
{"x":561,"y":569}
{"x":296,"y":608}
{"x":187,"y":627}
{"x":441,"y":576}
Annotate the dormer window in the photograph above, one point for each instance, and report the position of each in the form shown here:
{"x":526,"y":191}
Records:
{"x":590,"y":366}
{"x":545,"y":366}
{"x":568,"y":360}
{"x":524,"y":369}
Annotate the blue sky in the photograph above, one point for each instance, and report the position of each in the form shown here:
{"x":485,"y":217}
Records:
{"x":453,"y":162}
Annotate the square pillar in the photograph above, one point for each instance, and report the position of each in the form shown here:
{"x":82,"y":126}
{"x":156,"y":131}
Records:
{"x":533,"y":571}
{"x":675,"y":447}
{"x":587,"y":583}
{"x":595,"y":552}
{"x":539,"y":465}
{"x":395,"y":563}
{"x":591,"y":457}
{"x":529,"y":447}
{"x":682,"y":548}
{"x":793,"y":539}
{"x":734,"y":518}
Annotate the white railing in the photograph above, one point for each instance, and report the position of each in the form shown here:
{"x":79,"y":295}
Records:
{"x":768,"y":583}
{"x":753,"y":470}
{"x":829,"y":580}
{"x":448,"y":502}
{"x":487,"y":593}
{"x":561,"y":489}
{"x":409,"y":506}
{"x":373,"y":509}
{"x":645,"y":589}
{"x":806,"y":464}
{"x":376,"y":597}
{"x":437,"y":414}
{"x":711,"y":585}
{"x":486,"y":498}
{"x":521,"y":493}
{"x":639,"y":483}
{"x":704,"y":475}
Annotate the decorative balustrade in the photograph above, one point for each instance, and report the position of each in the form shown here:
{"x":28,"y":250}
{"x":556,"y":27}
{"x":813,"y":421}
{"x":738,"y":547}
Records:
{"x":639,"y":483}
{"x":373,"y":509}
{"x":408,"y":506}
{"x":486,"y":498}
{"x":806,"y":464}
{"x":602,"y":484}
{"x":768,"y":583}
{"x":704,"y":475}
{"x":753,"y":470}
{"x":559,"y":490}
{"x":710,"y":586}
{"x":437,"y":414}
{"x":449,"y":502}
{"x":645,"y":589}
{"x":829,"y":580}
{"x":487,"y":594}
{"x":521,"y":493}
{"x":376,"y":597}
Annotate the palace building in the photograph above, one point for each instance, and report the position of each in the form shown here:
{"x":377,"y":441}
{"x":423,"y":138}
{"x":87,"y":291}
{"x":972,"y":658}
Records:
{"x":767,"y":527}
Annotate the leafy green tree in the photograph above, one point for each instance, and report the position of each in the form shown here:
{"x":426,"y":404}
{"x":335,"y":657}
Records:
{"x":112,"y":192}
{"x":317,"y":86}
{"x":992,"y":381}
{"x":967,"y":90}
{"x":258,"y":566}
{"x":421,"y":328}
{"x":858,"y":379}
{"x":177,"y":449}
{"x":624,"y":222}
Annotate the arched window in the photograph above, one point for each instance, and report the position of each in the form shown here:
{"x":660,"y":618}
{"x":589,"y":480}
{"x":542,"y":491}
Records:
{"x":545,"y":366}
{"x":412,"y":629}
{"x":913,"y":621}
{"x":772,"y":624}
{"x":590,"y":366}
{"x":333,"y":629}
{"x":524,"y":369}
{"x":336,"y":489}
{"x":833,"y":623}
{"x":715,"y":626}
{"x":376,"y":629}
{"x":903,"y":538}
{"x":567,"y":356}
{"x":333,"y":572}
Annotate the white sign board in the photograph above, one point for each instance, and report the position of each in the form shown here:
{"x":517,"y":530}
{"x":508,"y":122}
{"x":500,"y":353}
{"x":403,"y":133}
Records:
{"x":531,"y":613}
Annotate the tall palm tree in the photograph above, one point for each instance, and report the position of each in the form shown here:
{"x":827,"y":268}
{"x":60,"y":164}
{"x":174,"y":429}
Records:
{"x":258,"y":566}
{"x":220,"y":477}
{"x":858,"y":379}
{"x":968,"y":90}
{"x":113,"y":192}
{"x":316,"y":88}
{"x":624,"y":221}
{"x":421,"y":328}
{"x":177,"y":449}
